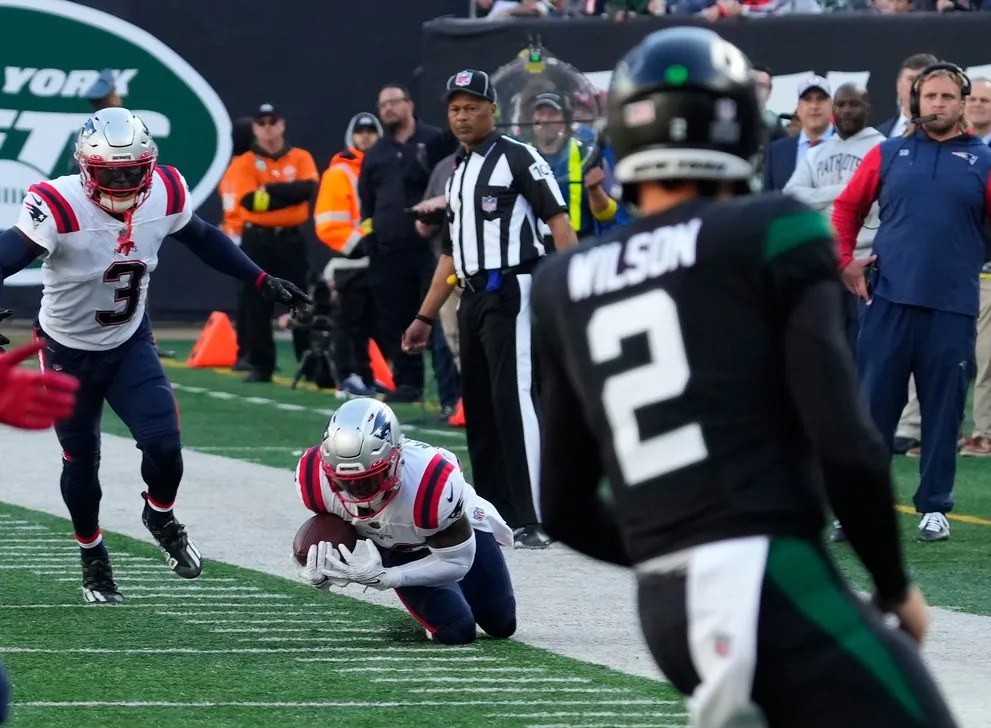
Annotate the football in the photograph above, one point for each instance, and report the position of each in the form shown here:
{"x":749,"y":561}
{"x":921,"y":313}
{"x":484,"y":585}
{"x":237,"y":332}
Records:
{"x":323,"y":527}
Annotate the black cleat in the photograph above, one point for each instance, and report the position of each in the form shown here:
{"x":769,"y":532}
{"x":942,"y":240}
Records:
{"x":98,"y":581}
{"x":181,"y":554}
{"x":531,"y":537}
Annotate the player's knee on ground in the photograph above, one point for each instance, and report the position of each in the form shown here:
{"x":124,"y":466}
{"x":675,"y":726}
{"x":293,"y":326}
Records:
{"x":499,"y":621}
{"x":459,"y":632}
{"x":4,"y":695}
{"x":161,"y":466}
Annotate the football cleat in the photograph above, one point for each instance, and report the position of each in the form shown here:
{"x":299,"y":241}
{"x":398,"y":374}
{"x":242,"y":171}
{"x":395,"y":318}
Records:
{"x":98,"y":582}
{"x":181,"y":554}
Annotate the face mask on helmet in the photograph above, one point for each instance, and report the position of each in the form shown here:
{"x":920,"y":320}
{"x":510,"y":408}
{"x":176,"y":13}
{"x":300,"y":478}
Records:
{"x":118,"y":186}
{"x":365,"y":493}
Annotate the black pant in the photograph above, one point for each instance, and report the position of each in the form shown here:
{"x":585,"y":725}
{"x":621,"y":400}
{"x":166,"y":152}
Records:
{"x":398,"y":278}
{"x":283,"y":255}
{"x":355,"y":318}
{"x":499,"y":393}
{"x":766,"y":626}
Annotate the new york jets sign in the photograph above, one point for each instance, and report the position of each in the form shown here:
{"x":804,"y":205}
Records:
{"x":53,"y":51}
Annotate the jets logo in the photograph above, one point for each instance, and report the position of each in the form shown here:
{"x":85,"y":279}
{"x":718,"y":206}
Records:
{"x":38,"y":216}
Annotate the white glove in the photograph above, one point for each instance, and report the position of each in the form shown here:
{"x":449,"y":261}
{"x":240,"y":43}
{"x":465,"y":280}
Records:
{"x":364,"y":566}
{"x":311,"y":572}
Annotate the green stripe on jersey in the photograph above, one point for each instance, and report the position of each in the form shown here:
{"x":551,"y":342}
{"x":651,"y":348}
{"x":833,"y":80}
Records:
{"x":790,"y":231}
{"x":804,"y":576}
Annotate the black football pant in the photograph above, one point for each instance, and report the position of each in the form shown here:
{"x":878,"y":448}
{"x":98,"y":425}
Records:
{"x":355,"y":318}
{"x":499,"y":393}
{"x":283,"y":255}
{"x":398,"y":278}
{"x":763,"y":631}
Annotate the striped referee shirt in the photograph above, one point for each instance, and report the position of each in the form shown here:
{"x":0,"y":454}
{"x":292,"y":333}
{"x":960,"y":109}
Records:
{"x":495,"y":197}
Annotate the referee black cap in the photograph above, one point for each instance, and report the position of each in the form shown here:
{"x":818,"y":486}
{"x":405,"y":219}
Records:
{"x":468,"y":81}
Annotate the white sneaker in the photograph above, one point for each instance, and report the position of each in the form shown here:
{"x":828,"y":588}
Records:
{"x":934,"y":527}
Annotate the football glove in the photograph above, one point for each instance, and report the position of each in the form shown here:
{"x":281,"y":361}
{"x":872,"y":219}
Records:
{"x":310,"y":572}
{"x":364,"y":566}
{"x":31,"y":399}
{"x":282,"y":291}
{"x":5,"y":313}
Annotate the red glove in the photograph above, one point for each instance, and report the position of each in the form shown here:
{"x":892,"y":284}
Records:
{"x":33,"y":400}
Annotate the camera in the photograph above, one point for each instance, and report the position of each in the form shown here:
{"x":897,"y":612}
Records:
{"x":320,"y":326}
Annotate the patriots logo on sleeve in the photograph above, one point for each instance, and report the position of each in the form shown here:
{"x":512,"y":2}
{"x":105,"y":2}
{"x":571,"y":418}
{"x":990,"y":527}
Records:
{"x":37,"y":215}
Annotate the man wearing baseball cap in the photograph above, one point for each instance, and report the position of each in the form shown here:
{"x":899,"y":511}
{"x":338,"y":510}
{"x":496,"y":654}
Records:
{"x":815,"y":111}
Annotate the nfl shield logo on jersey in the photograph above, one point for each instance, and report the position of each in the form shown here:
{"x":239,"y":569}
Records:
{"x":489,"y":204}
{"x":463,"y":78}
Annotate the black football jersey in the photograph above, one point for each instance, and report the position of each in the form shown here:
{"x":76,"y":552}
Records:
{"x":670,"y":332}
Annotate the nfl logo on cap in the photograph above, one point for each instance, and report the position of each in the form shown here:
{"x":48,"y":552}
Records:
{"x":463,"y":78}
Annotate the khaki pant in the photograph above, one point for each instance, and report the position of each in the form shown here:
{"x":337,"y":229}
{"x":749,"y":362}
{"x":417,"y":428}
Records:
{"x":982,"y":384}
{"x":449,"y":322}
{"x":910,"y":425}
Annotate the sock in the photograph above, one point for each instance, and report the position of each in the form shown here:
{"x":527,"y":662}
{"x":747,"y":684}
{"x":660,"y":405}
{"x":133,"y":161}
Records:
{"x":158,"y":514}
{"x":93,"y":546}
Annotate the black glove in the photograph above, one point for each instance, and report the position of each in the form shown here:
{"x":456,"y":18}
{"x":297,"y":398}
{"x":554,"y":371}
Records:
{"x":3,"y":339}
{"x":282,"y":291}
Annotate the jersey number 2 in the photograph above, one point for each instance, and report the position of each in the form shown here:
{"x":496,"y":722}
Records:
{"x":130,"y":272}
{"x":663,"y":378}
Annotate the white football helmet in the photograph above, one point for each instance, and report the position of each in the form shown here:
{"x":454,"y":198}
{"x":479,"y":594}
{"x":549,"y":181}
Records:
{"x":360,"y":454}
{"x":116,"y":157}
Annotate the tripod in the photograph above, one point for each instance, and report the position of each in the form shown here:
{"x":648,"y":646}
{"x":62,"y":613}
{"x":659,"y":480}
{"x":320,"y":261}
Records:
{"x":321,"y":350}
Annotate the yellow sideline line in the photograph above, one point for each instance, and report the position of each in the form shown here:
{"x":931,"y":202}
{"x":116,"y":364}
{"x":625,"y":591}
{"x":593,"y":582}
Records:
{"x":974,"y":520}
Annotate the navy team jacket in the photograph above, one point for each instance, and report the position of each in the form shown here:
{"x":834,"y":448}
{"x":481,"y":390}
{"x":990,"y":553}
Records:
{"x":934,"y":199}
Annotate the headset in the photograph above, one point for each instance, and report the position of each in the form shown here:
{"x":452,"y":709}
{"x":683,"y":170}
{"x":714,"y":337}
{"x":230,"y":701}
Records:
{"x":914,"y":103}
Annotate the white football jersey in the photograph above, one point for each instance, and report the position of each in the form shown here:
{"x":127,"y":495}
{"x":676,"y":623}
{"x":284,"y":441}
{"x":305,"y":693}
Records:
{"x":432,"y":495}
{"x":94,"y":297}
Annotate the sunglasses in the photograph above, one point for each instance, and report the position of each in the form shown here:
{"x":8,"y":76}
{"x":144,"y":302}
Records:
{"x":267,"y":121}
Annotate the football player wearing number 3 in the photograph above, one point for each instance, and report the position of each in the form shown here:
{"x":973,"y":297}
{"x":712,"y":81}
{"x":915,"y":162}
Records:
{"x":98,"y":234}
{"x":697,"y":358}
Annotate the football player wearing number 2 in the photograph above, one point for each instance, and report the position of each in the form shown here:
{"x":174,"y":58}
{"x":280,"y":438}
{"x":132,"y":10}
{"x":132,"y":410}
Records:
{"x":98,"y":234}
{"x":697,"y":357}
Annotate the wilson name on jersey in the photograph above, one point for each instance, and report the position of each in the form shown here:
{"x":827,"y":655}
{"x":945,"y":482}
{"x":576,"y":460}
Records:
{"x":671,"y":334}
{"x":94,"y":297}
{"x":433,"y":495}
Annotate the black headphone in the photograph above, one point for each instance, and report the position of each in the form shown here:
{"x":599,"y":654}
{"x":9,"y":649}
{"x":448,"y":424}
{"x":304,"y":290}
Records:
{"x":914,"y":104}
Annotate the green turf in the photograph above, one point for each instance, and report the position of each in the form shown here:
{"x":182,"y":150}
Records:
{"x":352,"y":637}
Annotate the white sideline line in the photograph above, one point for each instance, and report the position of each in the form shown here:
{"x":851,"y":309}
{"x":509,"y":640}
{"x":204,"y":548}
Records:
{"x":194,"y":588}
{"x":269,"y":621}
{"x":173,"y":595}
{"x":587,"y":714}
{"x":247,"y":610}
{"x":24,"y":528}
{"x":124,"y":578}
{"x":485,"y":680}
{"x":459,"y":669}
{"x":327,"y":704}
{"x":606,"y":725}
{"x":294,"y":630}
{"x":233,"y":651}
{"x":518,"y":689}
{"x":65,"y":540}
{"x":386,"y":658}
{"x":313,"y":639}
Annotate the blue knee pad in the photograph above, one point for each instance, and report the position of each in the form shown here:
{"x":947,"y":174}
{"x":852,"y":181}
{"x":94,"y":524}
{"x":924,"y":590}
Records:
{"x":459,"y":632}
{"x":4,"y":694}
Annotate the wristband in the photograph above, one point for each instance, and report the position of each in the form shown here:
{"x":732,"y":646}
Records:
{"x":424,"y":319}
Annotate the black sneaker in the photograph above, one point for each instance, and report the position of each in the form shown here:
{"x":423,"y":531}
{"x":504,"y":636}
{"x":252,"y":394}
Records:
{"x":98,"y":582}
{"x":530,"y":537}
{"x":181,"y":554}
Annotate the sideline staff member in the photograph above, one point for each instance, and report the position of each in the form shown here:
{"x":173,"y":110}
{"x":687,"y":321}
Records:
{"x":273,"y":184}
{"x":491,"y":245}
{"x":929,"y":248}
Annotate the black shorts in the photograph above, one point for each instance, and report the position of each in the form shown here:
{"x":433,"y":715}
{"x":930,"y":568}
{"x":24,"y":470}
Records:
{"x":763,"y":631}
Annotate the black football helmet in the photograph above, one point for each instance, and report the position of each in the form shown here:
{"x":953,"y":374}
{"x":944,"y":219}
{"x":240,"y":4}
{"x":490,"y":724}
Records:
{"x":683,"y":105}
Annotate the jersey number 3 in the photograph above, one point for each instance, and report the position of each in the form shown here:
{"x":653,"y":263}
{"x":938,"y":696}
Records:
{"x":663,"y":378}
{"x":130,"y":273}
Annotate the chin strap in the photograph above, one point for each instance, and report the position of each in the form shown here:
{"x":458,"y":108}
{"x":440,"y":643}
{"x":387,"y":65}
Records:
{"x":124,"y":243}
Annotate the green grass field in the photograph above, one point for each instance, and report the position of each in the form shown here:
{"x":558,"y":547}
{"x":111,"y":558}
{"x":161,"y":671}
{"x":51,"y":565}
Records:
{"x":241,"y":648}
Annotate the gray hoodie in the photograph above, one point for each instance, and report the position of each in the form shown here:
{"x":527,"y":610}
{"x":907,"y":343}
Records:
{"x":825,"y":171}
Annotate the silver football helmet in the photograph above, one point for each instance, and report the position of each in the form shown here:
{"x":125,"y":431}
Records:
{"x":116,"y":157}
{"x":360,"y":454}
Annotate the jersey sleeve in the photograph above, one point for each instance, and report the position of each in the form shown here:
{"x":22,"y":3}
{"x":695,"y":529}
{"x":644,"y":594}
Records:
{"x":308,"y":482}
{"x":39,"y":219}
{"x":797,"y":251}
{"x":178,"y":204}
{"x":440,"y":497}
{"x":535,"y":180}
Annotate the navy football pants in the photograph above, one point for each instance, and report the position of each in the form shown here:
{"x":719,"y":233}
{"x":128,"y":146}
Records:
{"x":897,"y":340}
{"x":483,"y":597}
{"x":131,"y":380}
{"x":4,"y":694}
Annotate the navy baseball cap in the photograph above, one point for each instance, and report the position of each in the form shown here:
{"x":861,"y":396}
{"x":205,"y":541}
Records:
{"x":267,"y":111}
{"x":102,"y":87}
{"x":468,"y":81}
{"x":366,"y":121}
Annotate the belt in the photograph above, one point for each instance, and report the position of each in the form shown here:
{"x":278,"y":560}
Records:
{"x":278,"y":230}
{"x":491,"y":280}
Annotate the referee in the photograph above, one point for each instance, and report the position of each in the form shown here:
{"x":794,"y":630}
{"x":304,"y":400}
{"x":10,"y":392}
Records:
{"x":491,"y":244}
